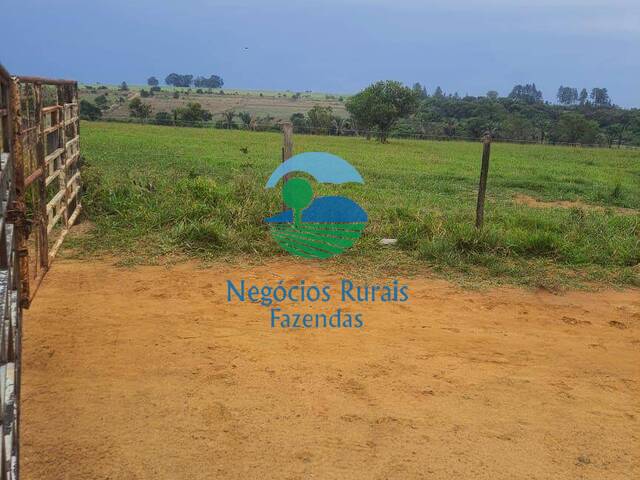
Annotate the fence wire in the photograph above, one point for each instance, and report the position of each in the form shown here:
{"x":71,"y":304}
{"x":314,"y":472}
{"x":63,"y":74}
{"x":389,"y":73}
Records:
{"x":354,"y":132}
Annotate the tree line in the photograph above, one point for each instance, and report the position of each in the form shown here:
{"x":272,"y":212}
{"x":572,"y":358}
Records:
{"x":389,"y":108}
{"x":583,"y":117}
{"x":188,"y":80}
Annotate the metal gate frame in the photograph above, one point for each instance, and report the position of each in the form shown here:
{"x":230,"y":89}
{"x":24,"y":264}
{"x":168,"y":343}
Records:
{"x":10,"y":290}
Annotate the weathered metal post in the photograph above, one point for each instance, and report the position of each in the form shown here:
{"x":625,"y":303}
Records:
{"x":10,"y":296}
{"x":61,"y":118}
{"x":43,"y":215}
{"x":484,"y":173}
{"x":19,"y":206}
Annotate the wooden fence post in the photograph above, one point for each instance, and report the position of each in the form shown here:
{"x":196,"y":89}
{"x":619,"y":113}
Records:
{"x":287,"y":145}
{"x":484,"y":173}
{"x":287,"y":148}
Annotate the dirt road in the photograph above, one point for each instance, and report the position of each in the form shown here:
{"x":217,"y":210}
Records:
{"x":150,"y":373}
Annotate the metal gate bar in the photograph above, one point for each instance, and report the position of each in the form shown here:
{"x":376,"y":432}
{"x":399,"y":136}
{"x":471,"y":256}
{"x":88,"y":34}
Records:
{"x":10,"y":284}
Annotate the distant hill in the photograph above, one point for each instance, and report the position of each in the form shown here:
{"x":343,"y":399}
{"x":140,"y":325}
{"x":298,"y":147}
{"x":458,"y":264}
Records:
{"x":266,"y":103}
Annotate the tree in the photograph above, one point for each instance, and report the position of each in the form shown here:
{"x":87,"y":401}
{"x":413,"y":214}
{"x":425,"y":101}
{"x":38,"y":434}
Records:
{"x":299,"y":121}
{"x":575,"y":128}
{"x":450,"y":128}
{"x":381,"y":105}
{"x":124,"y":86}
{"x":492,"y":94}
{"x":139,"y":109}
{"x":475,"y":127}
{"x":153,"y":82}
{"x":340,"y":125}
{"x":619,"y":122}
{"x":420,"y":91}
{"x":600,"y":97}
{"x":320,"y":118}
{"x":192,"y":115}
{"x":542,"y":125}
{"x":567,"y":95}
{"x":227,"y":118}
{"x":583,"y":98}
{"x":88,"y":111}
{"x":526,"y":93}
{"x":178,"y":80}
{"x":518,"y":127}
{"x":101,"y":102}
{"x":214,"y":81}
{"x":245,"y":118}
{"x":438,"y":92}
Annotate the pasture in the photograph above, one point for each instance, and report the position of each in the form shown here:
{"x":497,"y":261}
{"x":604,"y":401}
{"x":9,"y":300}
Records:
{"x":555,"y":215}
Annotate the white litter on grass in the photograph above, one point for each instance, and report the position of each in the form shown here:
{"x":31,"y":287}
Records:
{"x":388,"y":241}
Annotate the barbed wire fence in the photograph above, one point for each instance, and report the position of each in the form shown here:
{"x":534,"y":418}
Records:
{"x":275,"y":127}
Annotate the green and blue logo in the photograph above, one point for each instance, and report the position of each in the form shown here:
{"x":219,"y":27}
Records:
{"x":320,"y":227}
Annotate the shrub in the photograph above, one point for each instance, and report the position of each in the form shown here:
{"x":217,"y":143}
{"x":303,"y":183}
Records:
{"x":101,"y":102}
{"x":164,"y":118}
{"x":88,"y":111}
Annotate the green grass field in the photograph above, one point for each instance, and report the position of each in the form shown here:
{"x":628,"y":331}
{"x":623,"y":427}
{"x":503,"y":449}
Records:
{"x":154,"y":192}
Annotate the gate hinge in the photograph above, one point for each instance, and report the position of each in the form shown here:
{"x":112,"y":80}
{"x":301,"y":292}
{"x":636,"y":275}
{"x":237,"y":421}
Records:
{"x":20,"y":220}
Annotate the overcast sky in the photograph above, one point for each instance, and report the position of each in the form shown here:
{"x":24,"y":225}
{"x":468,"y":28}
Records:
{"x":468,"y":46}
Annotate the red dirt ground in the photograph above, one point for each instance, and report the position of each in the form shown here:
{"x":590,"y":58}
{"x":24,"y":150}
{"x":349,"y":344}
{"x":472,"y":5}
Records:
{"x":148,"y":373}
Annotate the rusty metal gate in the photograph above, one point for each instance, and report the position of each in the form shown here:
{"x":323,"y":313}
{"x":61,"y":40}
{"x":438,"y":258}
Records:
{"x":46,"y":141}
{"x":39,"y":201}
